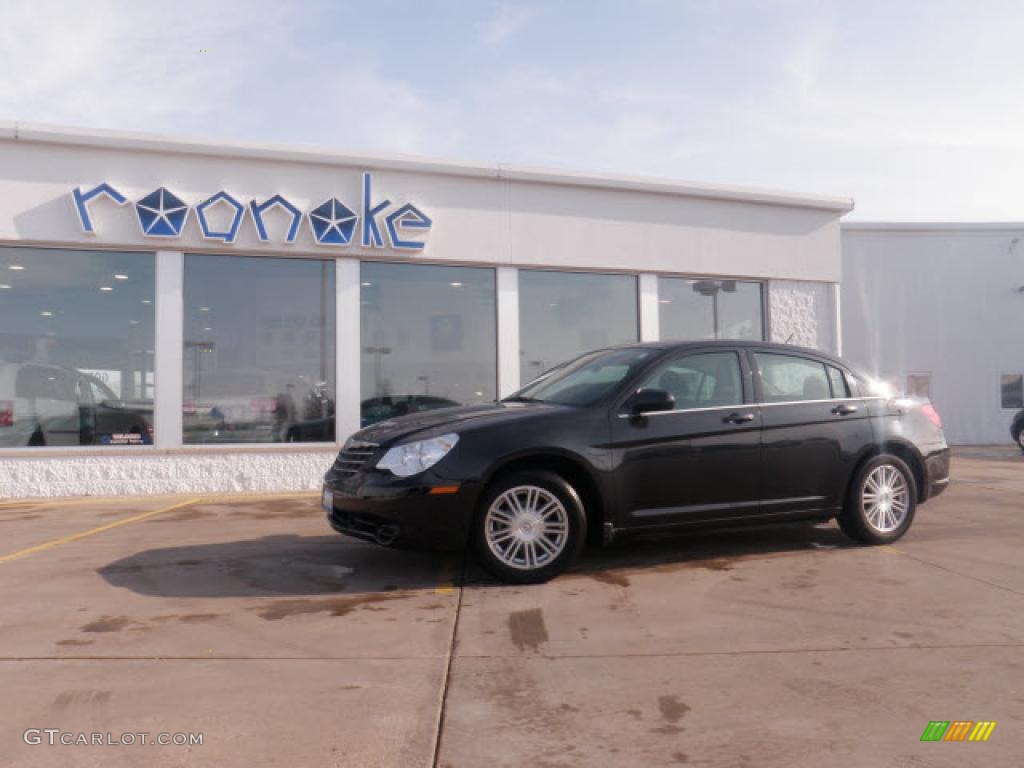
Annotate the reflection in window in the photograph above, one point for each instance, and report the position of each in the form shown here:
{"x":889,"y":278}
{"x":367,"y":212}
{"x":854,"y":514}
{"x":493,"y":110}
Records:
{"x":76,"y":347}
{"x":587,"y":379}
{"x":564,"y":314}
{"x":709,"y":309}
{"x":785,"y":378}
{"x":709,"y":380}
{"x":919,"y":385}
{"x":259,"y":350}
{"x":1012,"y":390}
{"x":428,"y":338}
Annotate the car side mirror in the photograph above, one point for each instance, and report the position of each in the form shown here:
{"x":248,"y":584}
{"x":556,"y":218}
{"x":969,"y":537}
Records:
{"x":650,"y":400}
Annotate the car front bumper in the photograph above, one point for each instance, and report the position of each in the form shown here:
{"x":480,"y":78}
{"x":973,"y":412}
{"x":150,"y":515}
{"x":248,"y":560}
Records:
{"x":425,"y":511}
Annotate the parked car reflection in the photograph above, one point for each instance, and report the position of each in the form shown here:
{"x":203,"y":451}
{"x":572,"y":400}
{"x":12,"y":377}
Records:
{"x":255,"y":406}
{"x":51,"y":405}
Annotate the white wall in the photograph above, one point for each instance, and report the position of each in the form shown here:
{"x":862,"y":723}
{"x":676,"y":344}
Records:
{"x":942,"y":300}
{"x":481,"y":214}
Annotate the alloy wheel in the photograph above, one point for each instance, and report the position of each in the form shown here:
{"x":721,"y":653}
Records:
{"x":526,"y":527}
{"x":886,"y":498}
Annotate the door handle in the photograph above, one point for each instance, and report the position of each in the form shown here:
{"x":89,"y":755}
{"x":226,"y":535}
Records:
{"x":738,"y":418}
{"x":844,"y":410}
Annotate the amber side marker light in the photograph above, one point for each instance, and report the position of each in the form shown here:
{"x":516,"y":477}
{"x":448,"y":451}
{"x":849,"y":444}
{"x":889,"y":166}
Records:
{"x":443,"y":490}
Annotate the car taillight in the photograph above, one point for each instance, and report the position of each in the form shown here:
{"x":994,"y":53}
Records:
{"x":6,"y":413}
{"x":933,"y":415}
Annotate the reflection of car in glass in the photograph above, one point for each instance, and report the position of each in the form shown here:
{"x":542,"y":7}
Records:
{"x":255,"y":406}
{"x":1017,"y":429}
{"x":54,"y":405}
{"x":644,"y":438}
{"x":373,"y":410}
{"x":388,"y":406}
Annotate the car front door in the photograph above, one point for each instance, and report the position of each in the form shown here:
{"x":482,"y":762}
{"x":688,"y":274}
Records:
{"x":701,"y":459}
{"x":813,"y":430}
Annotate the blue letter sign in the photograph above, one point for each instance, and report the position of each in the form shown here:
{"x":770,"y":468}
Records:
{"x":163,"y":214}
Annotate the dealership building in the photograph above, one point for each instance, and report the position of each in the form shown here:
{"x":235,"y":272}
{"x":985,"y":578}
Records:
{"x":185,"y":317}
{"x":200,"y":317}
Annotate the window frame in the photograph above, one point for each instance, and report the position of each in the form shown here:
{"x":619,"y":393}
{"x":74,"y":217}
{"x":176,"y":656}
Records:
{"x":763,"y":298}
{"x":42,"y":451}
{"x":1010,"y":408}
{"x":823,"y":362}
{"x":746,"y":381}
{"x":918,"y":374}
{"x":494,"y":279}
{"x":180,"y":443}
{"x":638,"y":305}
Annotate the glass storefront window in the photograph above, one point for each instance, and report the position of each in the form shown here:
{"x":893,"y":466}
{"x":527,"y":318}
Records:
{"x":693,"y":310}
{"x":428,"y":338}
{"x":564,"y":314}
{"x":259,"y":350}
{"x":76,"y":347}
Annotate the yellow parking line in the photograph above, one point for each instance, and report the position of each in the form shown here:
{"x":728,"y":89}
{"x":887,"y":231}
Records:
{"x":447,"y":577}
{"x":36,"y":502}
{"x":92,"y":532}
{"x":889,"y":549}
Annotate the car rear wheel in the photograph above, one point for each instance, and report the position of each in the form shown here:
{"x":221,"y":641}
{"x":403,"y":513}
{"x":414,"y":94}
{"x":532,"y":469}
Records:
{"x":1020,"y":438}
{"x":881,"y":503}
{"x":530,"y":527}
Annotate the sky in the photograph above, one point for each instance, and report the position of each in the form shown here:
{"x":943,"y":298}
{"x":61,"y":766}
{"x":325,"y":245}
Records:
{"x":912,"y":108}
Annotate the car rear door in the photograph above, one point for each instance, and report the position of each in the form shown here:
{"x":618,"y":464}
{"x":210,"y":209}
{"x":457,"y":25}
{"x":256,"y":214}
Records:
{"x":813,"y":431}
{"x":699,"y":461}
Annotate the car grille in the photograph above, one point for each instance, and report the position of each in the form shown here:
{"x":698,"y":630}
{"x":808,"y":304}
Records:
{"x":353,"y":457}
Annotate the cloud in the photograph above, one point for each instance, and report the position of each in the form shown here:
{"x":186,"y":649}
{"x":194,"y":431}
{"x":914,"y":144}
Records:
{"x":508,"y":19}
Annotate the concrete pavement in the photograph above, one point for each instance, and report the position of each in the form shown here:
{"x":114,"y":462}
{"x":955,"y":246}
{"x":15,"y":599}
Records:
{"x":249,"y":621}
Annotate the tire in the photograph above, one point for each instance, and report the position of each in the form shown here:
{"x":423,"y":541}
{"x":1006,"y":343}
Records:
{"x":508,"y":537}
{"x":881,"y":502}
{"x":1019,"y":437}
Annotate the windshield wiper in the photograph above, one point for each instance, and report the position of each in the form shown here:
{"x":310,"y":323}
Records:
{"x":522,"y":399}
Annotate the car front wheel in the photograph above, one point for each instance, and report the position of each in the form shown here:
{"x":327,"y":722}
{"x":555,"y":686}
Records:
{"x":530,"y":527}
{"x":881,"y":503}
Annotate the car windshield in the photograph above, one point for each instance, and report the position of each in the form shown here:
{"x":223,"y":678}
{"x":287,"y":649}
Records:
{"x":586,"y":379}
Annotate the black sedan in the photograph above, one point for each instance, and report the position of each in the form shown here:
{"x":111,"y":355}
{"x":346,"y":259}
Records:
{"x":648,"y":437}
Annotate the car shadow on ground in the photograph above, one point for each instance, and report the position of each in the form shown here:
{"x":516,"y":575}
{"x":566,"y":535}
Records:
{"x":285,"y":565}
{"x":291,"y":565}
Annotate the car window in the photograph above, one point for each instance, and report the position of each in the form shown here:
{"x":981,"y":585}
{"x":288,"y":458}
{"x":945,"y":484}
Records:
{"x":100,"y":392}
{"x":839,"y":386}
{"x":703,"y":380}
{"x":586,"y":379}
{"x":785,"y":378}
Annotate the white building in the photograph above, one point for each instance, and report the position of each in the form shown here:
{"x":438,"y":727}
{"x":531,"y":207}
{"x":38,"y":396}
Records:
{"x":938,"y":310}
{"x":185,"y":317}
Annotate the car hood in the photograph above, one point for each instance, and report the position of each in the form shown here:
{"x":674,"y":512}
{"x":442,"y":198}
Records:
{"x":441,"y":420}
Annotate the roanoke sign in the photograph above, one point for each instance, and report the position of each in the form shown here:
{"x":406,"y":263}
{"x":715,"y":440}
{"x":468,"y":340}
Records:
{"x":164,"y":215}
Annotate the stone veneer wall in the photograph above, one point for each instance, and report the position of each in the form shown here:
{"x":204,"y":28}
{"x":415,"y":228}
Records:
{"x":152,"y":473}
{"x":802,"y":313}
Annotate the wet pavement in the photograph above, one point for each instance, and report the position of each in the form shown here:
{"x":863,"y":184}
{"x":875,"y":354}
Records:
{"x":246,"y":619}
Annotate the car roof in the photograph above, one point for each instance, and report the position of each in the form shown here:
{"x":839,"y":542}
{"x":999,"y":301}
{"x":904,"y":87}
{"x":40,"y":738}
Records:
{"x":766,"y":346}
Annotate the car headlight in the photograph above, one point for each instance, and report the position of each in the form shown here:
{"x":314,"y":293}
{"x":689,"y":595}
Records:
{"x":412,"y":458}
